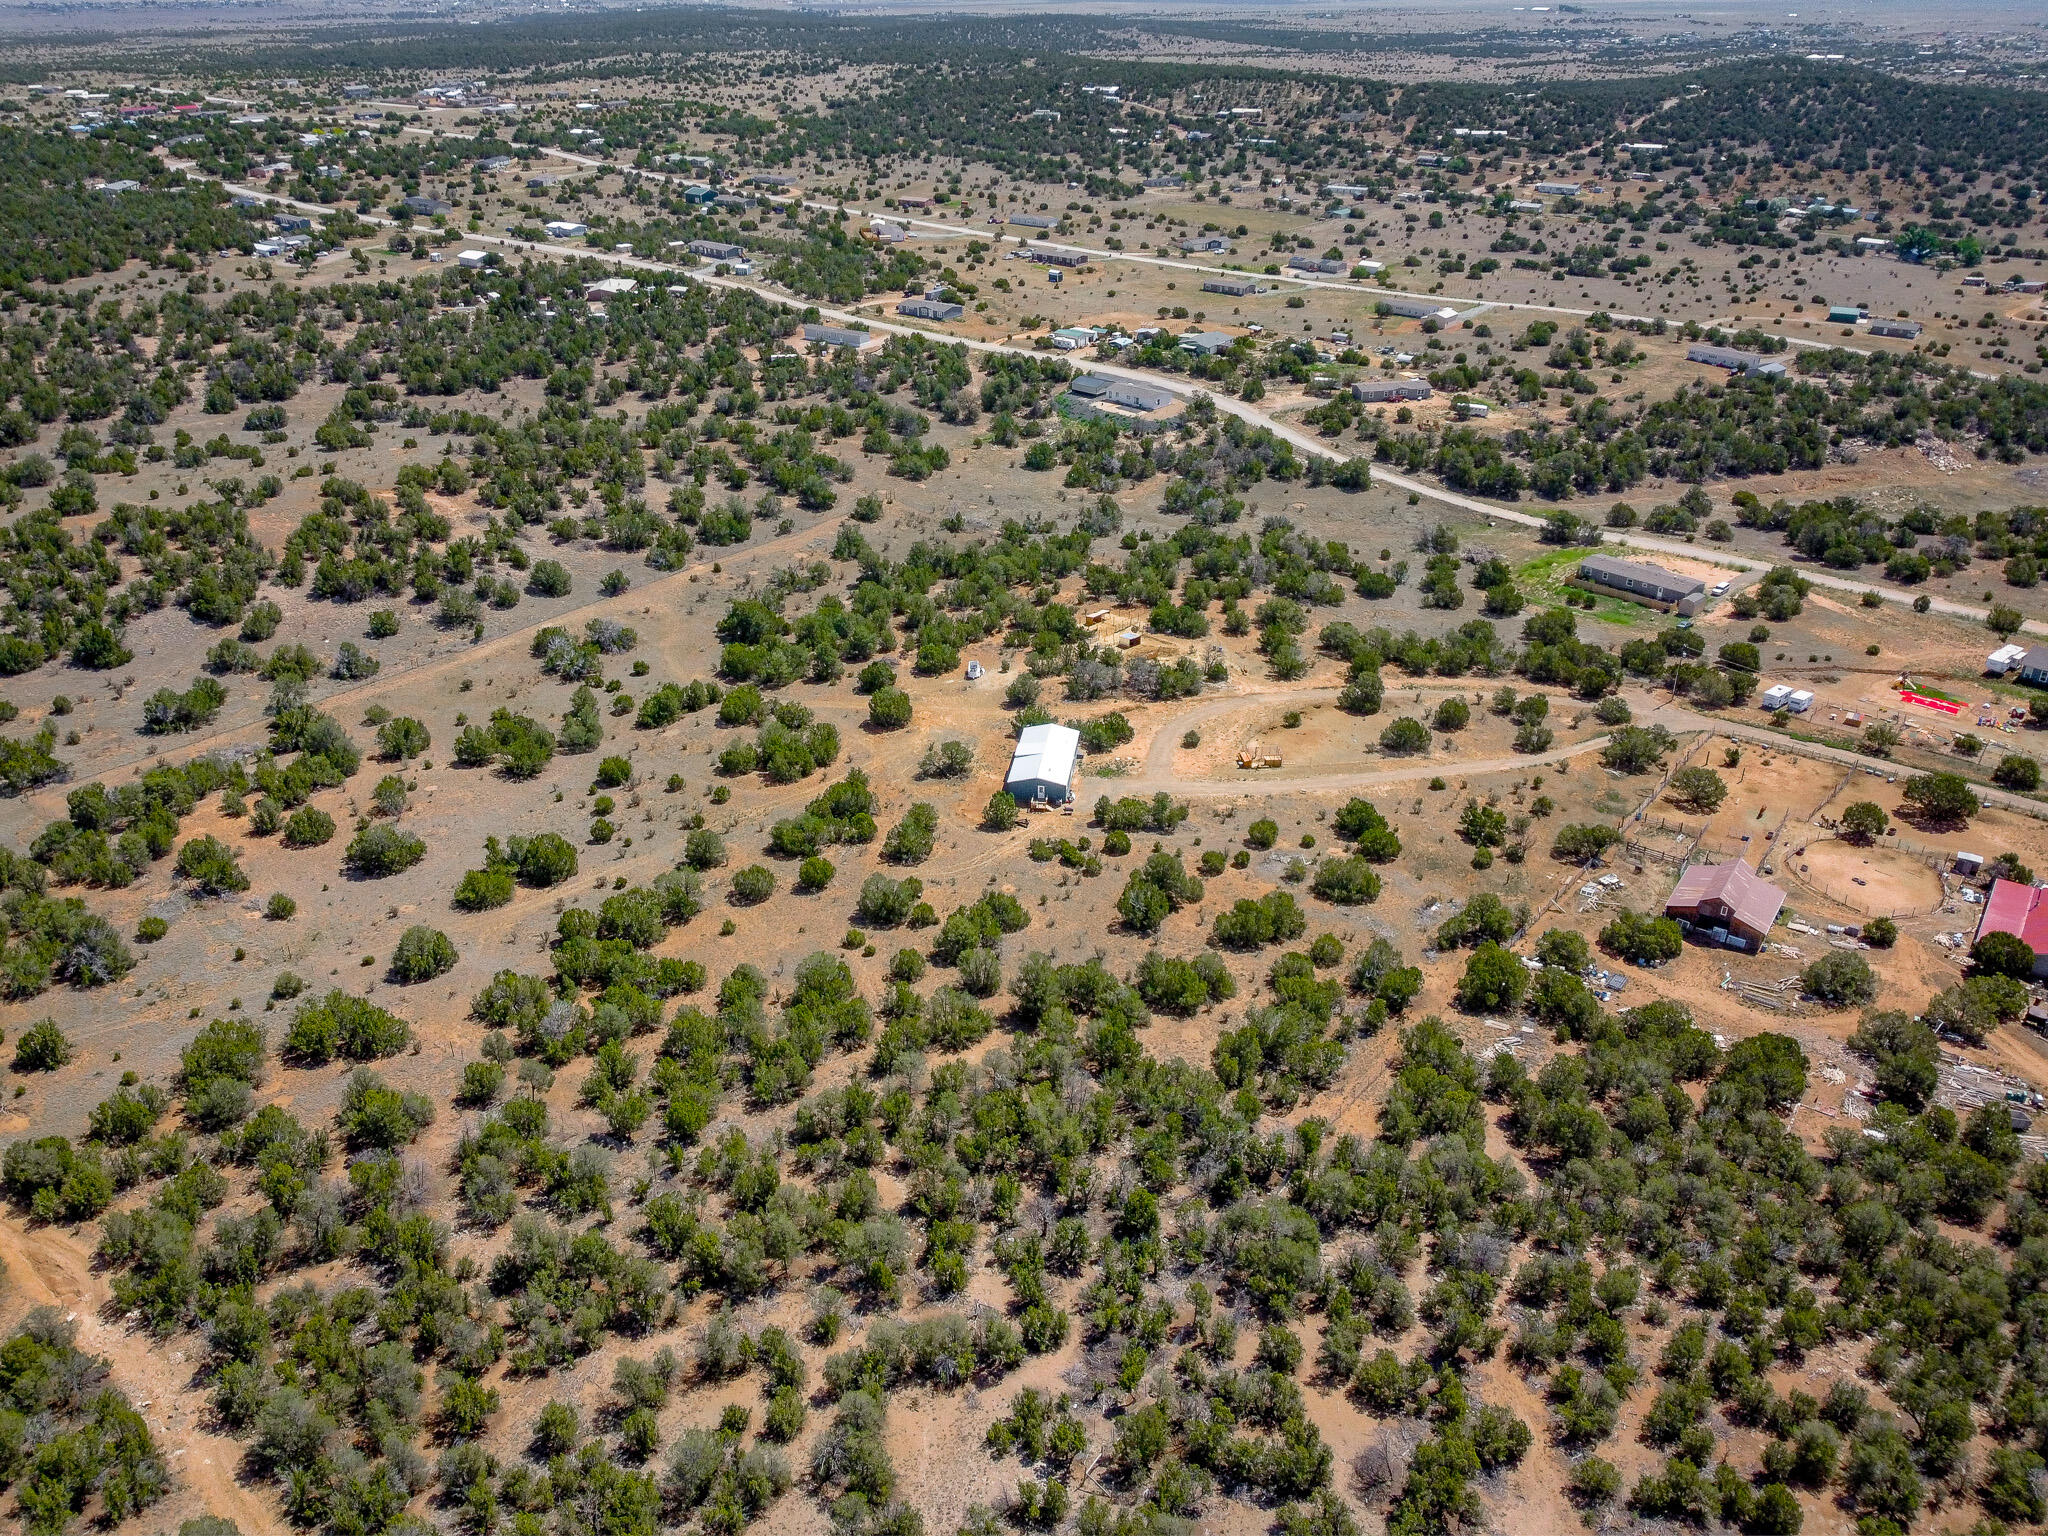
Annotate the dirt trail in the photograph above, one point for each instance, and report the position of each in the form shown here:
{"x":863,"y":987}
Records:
{"x":49,"y":1266}
{"x":1321,"y":783}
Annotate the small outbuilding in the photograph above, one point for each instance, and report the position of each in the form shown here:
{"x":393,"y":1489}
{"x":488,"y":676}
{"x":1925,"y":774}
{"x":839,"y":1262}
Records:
{"x":1043,"y":766}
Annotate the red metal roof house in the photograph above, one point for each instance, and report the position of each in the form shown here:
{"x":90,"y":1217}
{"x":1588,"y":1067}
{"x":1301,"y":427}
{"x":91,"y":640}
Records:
{"x":1730,"y":896}
{"x":2022,"y":911}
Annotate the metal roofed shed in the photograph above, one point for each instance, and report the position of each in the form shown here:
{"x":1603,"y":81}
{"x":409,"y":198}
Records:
{"x":1042,"y":767}
{"x":1726,"y":897}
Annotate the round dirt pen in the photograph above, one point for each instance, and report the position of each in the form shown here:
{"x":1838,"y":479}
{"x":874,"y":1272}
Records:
{"x":1876,"y":881}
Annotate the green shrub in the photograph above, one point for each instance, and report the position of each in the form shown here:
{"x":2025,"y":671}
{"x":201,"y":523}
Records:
{"x":382,"y":850}
{"x":307,"y":828}
{"x":211,"y":867}
{"x":422,"y":954}
{"x":42,"y":1047}
{"x":889,"y":709}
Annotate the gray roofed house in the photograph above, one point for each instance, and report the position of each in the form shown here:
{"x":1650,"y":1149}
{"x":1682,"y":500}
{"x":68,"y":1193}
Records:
{"x":1641,"y":580}
{"x":1035,"y":220}
{"x":494,"y":162}
{"x":1208,"y":343}
{"x":1054,"y":257}
{"x":1390,"y":389}
{"x":1214,"y":245}
{"x":1752,"y":363}
{"x":931,"y":309}
{"x":1314,"y":264}
{"x":716,"y":250}
{"x":1124,"y":400}
{"x":2034,"y":666}
{"x":1234,"y":287}
{"x":1416,"y":309}
{"x":1905,"y":330}
{"x":839,"y":335}
{"x":426,"y":206}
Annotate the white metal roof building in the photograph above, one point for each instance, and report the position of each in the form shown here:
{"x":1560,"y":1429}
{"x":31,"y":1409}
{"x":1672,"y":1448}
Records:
{"x":1042,"y":767}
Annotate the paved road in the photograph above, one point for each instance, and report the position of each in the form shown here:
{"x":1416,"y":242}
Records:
{"x":1300,"y":440}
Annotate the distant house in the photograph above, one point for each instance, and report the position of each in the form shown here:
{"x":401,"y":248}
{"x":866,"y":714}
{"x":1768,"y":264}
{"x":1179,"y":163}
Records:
{"x":116,"y":188}
{"x":2022,"y":911}
{"x":1035,"y":220}
{"x":1418,"y":309}
{"x":1640,"y":580}
{"x":1314,"y":264}
{"x":716,"y":250}
{"x":1726,"y":903}
{"x":293,"y":223}
{"x":1904,"y":330}
{"x":839,"y":335}
{"x":697,"y":193}
{"x":1053,"y":256}
{"x":1209,"y":245}
{"x":608,"y":288}
{"x":1844,"y":314}
{"x":1069,"y":338}
{"x":425,"y":207}
{"x":1206,"y":343}
{"x":472,"y":258}
{"x":1143,"y":406}
{"x":1234,"y":287}
{"x":495,"y":163}
{"x":1380,"y":390}
{"x":565,"y":229}
{"x":1751,"y":363}
{"x":1558,"y":188}
{"x":1042,"y":766}
{"x":931,"y":309}
{"x":2034,"y":667}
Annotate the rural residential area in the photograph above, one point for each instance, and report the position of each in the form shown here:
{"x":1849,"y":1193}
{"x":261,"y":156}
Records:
{"x":967,"y":772}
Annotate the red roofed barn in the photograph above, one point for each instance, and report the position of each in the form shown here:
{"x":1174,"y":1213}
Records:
{"x":2022,"y":911}
{"x":1726,"y":896}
